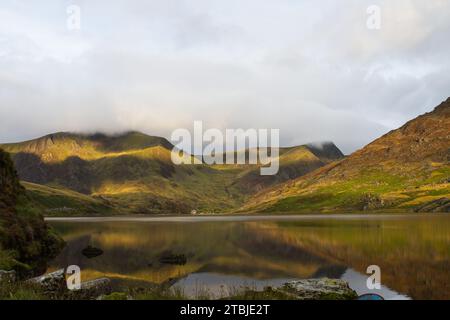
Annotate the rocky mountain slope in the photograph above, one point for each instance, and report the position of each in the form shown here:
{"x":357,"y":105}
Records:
{"x":406,"y":169}
{"x":133,"y":173}
{"x":26,"y":242}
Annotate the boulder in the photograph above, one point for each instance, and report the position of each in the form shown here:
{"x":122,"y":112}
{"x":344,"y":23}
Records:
{"x":91,"y":252}
{"x":310,"y":289}
{"x":175,"y":259}
{"x":54,"y":283}
{"x":9,"y":276}
{"x":51,"y":281}
{"x":371,"y":202}
{"x":318,"y":289}
{"x":91,"y":290}
{"x":54,"y":286}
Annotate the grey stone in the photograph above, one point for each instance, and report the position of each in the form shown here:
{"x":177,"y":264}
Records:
{"x":91,"y":290}
{"x":318,"y":289}
{"x":9,"y":276}
{"x":371,"y":202}
{"x":55,"y":286}
{"x":53,"y":283}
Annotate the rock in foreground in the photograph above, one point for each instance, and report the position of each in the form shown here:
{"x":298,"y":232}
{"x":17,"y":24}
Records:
{"x":9,"y":276}
{"x":319,"y":289}
{"x":54,"y":286}
{"x":92,"y":289}
{"x":310,"y":289}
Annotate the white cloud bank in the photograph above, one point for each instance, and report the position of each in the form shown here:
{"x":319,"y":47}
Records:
{"x":311,"y":68}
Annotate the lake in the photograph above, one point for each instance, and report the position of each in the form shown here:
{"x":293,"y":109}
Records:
{"x":227,"y":252}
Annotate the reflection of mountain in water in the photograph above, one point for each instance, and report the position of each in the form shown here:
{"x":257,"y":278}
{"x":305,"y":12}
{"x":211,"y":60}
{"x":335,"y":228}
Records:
{"x":220,"y":285}
{"x":223,"y":285}
{"x":239,"y":249}
{"x":411,"y":251}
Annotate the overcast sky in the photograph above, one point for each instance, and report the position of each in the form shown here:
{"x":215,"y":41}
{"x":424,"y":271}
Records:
{"x":313,"y":69}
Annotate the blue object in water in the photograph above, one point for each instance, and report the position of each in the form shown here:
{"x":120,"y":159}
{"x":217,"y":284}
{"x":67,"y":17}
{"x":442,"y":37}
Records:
{"x":370,"y":296}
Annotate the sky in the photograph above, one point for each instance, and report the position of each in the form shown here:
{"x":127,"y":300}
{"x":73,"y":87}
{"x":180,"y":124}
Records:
{"x":316,"y":70}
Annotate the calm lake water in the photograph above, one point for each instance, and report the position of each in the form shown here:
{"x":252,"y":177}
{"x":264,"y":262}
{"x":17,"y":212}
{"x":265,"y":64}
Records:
{"x":225,"y":253}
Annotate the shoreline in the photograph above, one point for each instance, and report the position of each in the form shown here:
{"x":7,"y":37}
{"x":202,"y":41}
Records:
{"x":235,"y":218}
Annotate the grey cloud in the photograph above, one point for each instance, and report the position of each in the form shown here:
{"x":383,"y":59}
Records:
{"x":313,"y":70}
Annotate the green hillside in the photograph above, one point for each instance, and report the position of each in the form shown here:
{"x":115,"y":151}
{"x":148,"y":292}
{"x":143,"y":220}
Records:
{"x":132,"y":173}
{"x":294,"y":162}
{"x":73,"y":174}
{"x":60,"y":201}
{"x":405,"y":170}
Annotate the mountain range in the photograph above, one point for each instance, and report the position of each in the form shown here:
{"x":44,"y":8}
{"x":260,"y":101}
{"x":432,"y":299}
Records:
{"x":132,"y":172}
{"x":406,"y":169}
{"x":75,"y":174}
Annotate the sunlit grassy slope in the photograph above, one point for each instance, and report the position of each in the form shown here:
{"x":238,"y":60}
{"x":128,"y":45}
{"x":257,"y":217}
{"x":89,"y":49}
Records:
{"x":72,"y":174}
{"x":60,"y":201}
{"x":60,"y":146}
{"x":406,"y":169}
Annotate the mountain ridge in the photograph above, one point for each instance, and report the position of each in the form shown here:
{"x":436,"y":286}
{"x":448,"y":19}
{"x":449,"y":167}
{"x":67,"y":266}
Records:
{"x":98,"y":143}
{"x":133,"y":172}
{"x":406,"y":168}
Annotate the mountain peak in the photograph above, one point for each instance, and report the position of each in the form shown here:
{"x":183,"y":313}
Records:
{"x":126,"y":141}
{"x":444,"y":107}
{"x":405,"y":169}
{"x":325,"y":149}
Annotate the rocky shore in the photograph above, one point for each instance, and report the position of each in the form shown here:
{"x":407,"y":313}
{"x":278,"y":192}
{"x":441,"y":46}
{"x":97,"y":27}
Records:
{"x":53,"y":286}
{"x":307,"y":289}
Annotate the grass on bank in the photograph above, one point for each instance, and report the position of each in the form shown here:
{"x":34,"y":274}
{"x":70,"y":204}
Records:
{"x":20,"y":291}
{"x":61,"y":201}
{"x":403,"y":193}
{"x":28,"y":291}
